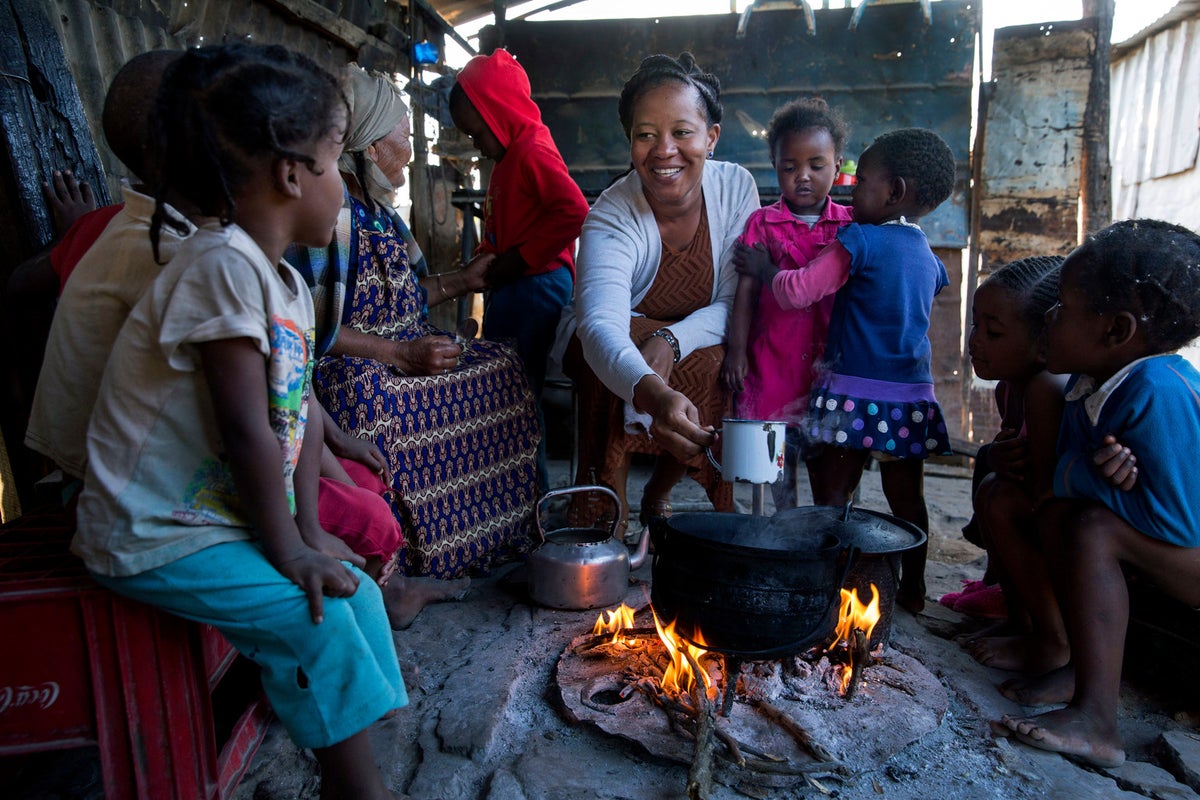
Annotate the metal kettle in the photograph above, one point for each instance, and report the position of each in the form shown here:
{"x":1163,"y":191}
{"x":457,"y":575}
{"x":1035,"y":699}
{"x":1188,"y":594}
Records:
{"x":581,"y":568}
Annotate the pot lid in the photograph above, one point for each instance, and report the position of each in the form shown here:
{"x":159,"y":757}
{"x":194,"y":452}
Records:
{"x":746,"y":531}
{"x":869,"y":531}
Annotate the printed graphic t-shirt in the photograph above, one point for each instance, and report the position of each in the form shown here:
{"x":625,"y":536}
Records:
{"x":158,"y":485}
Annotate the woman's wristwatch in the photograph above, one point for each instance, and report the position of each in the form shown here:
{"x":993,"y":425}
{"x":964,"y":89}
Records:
{"x":668,"y":337}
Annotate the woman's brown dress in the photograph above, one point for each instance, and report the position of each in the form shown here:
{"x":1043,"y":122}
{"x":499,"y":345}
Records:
{"x":684,"y":284}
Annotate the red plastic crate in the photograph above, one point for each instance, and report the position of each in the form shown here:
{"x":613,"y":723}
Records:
{"x":87,"y":666}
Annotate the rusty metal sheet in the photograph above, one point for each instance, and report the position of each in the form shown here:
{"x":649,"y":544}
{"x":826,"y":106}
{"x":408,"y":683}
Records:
{"x":1034,"y":141}
{"x":893,"y":72}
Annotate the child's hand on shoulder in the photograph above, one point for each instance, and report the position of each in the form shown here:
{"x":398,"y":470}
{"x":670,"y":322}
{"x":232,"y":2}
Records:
{"x":318,"y":575}
{"x":1008,"y":454}
{"x":1116,"y":463}
{"x":754,"y":261}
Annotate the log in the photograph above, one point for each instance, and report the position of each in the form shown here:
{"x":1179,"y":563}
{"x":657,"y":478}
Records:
{"x":860,"y":657}
{"x":794,"y":729}
{"x":699,"y":783}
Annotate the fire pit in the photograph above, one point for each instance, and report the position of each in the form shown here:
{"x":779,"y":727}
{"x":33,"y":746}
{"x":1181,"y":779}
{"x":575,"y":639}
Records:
{"x":815,"y":716}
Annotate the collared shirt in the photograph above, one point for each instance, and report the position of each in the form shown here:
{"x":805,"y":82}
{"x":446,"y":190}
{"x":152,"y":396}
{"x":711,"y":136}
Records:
{"x":1086,"y":385}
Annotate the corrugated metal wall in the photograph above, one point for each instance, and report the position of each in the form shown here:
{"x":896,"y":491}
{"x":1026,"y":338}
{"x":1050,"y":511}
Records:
{"x":1156,"y":127}
{"x":99,"y":36}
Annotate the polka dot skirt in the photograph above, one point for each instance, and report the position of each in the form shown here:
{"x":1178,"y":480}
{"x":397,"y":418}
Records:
{"x":903,"y":430}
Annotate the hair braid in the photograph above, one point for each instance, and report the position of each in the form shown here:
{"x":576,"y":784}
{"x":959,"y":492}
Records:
{"x":224,"y":112}
{"x":1150,"y":269}
{"x":656,"y":70}
{"x":1033,"y":283}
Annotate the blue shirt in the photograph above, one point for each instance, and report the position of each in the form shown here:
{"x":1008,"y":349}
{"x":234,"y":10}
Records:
{"x":1155,"y":412}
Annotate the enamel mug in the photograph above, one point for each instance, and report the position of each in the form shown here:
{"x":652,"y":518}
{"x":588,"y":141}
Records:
{"x":751,"y":449}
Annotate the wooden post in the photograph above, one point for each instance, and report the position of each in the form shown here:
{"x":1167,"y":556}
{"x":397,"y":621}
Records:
{"x":1096,"y":211}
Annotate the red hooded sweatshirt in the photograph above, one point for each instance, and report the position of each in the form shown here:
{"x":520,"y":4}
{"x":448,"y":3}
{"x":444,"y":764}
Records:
{"x":532,"y":203}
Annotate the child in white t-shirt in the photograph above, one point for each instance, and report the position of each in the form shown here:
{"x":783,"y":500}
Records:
{"x":203,"y":459}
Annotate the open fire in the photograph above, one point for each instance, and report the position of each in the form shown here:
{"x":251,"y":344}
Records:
{"x":856,"y":622}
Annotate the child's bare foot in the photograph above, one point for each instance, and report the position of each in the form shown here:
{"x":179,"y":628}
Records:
{"x":1056,"y":686}
{"x":404,"y":597}
{"x":1018,"y":653}
{"x":1068,"y":731}
{"x":999,"y":627}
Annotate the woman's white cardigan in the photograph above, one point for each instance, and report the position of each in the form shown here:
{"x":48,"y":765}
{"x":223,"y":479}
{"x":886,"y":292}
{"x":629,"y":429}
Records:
{"x":619,"y":253}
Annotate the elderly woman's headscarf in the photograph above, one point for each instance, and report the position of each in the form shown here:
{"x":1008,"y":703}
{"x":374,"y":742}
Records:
{"x":375,"y":108}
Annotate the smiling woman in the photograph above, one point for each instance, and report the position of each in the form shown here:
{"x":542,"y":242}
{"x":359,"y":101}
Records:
{"x":654,"y":289}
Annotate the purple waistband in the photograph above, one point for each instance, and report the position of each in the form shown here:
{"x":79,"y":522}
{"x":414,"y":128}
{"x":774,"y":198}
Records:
{"x":870,"y":389}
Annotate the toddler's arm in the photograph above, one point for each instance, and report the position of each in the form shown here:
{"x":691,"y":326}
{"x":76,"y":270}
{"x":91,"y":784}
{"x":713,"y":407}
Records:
{"x":825,"y":274}
{"x":1116,"y":463}
{"x":237,"y":385}
{"x":344,"y":445}
{"x":733,"y":370}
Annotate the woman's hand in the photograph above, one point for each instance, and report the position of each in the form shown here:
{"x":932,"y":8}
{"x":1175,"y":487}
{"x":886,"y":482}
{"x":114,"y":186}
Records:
{"x":1116,"y":463}
{"x":676,"y":424}
{"x":428,"y":355}
{"x":473,"y":275}
{"x":317,"y":575}
{"x":659,"y":356}
{"x":734,"y":369}
{"x":754,"y":261}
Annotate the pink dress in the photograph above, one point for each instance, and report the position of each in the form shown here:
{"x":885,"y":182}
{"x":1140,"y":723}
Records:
{"x":785,"y":344}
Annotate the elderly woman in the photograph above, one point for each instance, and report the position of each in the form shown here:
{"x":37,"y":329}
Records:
{"x":655,"y":287}
{"x":455,"y":420}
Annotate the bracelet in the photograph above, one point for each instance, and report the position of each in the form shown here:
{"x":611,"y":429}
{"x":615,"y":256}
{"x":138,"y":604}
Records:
{"x":441,"y":288}
{"x":668,"y":337}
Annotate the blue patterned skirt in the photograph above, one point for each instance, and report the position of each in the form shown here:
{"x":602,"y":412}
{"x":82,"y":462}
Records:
{"x":897,"y":419}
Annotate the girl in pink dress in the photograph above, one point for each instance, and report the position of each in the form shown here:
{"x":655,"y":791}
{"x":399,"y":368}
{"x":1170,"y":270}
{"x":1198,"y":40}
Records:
{"x":772,"y":351}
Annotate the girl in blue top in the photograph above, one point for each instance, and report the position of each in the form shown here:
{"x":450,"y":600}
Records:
{"x":1128,"y":298}
{"x":204,"y":444}
{"x":875,"y":390}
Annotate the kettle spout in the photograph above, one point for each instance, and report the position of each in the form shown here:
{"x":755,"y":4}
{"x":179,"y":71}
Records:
{"x":639,"y":554}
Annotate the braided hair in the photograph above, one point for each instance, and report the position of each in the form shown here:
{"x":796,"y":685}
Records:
{"x":223,"y":112}
{"x":804,"y":114}
{"x":658,"y":69}
{"x":1150,"y":269}
{"x":1033,"y":283}
{"x":919,"y":156}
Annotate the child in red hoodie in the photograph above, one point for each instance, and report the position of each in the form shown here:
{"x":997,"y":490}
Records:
{"x":532,"y":214}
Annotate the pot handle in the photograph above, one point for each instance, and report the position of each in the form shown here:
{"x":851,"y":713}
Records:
{"x":537,"y":516}
{"x":711,"y":459}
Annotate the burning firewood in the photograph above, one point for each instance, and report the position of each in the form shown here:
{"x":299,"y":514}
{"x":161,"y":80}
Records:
{"x":699,"y":783}
{"x":860,"y":657}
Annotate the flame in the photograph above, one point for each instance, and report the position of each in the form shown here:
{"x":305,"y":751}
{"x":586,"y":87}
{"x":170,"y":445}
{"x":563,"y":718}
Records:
{"x":678,"y":676}
{"x":618,"y":620}
{"x":855,"y":615}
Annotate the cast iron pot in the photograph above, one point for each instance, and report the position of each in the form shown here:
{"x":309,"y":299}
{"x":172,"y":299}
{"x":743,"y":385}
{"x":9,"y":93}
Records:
{"x":880,"y":540}
{"x":739,"y":585}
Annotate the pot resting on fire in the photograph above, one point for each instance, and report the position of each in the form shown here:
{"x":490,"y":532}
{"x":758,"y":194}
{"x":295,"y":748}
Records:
{"x":766,"y":587}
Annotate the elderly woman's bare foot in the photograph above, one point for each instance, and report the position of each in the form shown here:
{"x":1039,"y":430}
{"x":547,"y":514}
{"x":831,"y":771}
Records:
{"x":1056,"y":686}
{"x":1018,"y":653}
{"x":1068,"y":731}
{"x":404,"y":597}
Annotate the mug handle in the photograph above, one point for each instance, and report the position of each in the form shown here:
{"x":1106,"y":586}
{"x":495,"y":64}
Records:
{"x":708,"y":452}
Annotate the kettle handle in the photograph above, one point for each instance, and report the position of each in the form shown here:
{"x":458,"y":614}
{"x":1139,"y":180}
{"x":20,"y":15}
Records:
{"x":537,"y":516}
